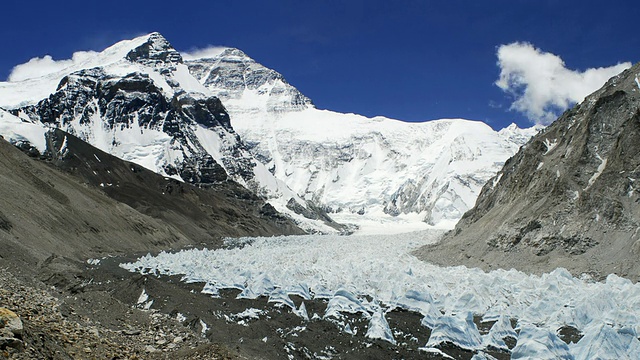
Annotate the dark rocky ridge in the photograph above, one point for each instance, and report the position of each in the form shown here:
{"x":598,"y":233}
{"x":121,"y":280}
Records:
{"x":81,"y":203}
{"x":569,"y":198}
{"x":201,"y":213}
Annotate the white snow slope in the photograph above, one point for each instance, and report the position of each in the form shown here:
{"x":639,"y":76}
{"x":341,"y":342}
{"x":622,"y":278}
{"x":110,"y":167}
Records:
{"x":347,"y":271}
{"x":16,"y":131}
{"x":377,"y":168}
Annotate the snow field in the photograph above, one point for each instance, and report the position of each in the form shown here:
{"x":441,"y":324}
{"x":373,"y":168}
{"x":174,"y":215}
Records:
{"x":15,"y":130}
{"x":350,"y":270}
{"x":352,"y":163}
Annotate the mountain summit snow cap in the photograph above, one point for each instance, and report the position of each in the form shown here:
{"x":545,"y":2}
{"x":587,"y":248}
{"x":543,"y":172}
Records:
{"x":232,"y":54}
{"x":154,"y":51}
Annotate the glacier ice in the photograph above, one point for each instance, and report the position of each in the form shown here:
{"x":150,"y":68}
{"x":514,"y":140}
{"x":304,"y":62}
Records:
{"x":379,"y":328}
{"x":459,"y":330}
{"x":348,"y":271}
{"x":539,"y":344}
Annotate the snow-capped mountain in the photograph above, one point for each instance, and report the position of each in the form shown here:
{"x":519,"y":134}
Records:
{"x":137,"y":100}
{"x":205,"y":120}
{"x":243,"y":84}
{"x":357,"y":167}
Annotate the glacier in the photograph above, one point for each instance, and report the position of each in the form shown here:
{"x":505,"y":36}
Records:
{"x":371,"y":275}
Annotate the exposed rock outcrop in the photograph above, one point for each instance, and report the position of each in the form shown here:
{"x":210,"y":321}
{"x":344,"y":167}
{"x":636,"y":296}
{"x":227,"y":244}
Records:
{"x":11,"y":330}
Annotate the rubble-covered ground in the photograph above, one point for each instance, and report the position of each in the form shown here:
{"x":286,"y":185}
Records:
{"x":66,"y":326}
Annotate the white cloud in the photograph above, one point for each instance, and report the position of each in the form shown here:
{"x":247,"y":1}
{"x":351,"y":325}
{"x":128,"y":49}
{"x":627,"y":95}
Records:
{"x":37,"y":67}
{"x":542,"y":85}
{"x":205,"y":53}
{"x":41,"y":66}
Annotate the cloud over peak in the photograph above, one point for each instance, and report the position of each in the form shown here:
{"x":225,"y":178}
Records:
{"x":37,"y":67}
{"x":541,"y":83}
{"x":41,"y":66}
{"x":204,"y":53}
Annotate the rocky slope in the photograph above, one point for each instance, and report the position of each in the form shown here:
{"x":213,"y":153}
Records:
{"x":73,"y":202}
{"x":569,"y":198}
{"x":98,"y":201}
{"x":58,"y":326}
{"x":351,"y":165}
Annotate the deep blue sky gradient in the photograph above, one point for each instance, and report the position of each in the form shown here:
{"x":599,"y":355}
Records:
{"x":409,"y":60}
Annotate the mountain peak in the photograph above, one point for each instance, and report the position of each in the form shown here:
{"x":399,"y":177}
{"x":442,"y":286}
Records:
{"x":238,"y":80}
{"x":233,"y":52}
{"x":155,"y":50}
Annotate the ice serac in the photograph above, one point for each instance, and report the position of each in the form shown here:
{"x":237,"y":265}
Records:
{"x":138,"y":101}
{"x":535,"y":343}
{"x":353,"y":166}
{"x":569,"y":198}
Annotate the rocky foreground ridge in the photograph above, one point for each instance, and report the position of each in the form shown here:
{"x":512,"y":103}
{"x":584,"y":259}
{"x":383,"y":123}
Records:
{"x":569,"y":198}
{"x":74,"y":202}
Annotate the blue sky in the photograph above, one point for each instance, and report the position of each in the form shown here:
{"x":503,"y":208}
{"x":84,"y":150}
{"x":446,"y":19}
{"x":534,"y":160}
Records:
{"x":409,"y":60}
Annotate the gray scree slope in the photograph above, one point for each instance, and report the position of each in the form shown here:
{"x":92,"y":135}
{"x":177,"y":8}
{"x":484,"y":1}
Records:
{"x":569,"y":198}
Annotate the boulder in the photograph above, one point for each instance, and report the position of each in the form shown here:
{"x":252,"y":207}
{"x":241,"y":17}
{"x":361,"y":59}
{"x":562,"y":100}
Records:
{"x":11,"y":321}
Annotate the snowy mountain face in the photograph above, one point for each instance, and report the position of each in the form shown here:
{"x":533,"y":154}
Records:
{"x":244,"y":85}
{"x":204,"y":121}
{"x":137,"y":100}
{"x":353,"y":166}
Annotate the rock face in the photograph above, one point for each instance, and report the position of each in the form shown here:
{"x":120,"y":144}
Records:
{"x":91,"y":99}
{"x":151,"y":112}
{"x":11,"y":322}
{"x":569,"y":198}
{"x":350,"y":165}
